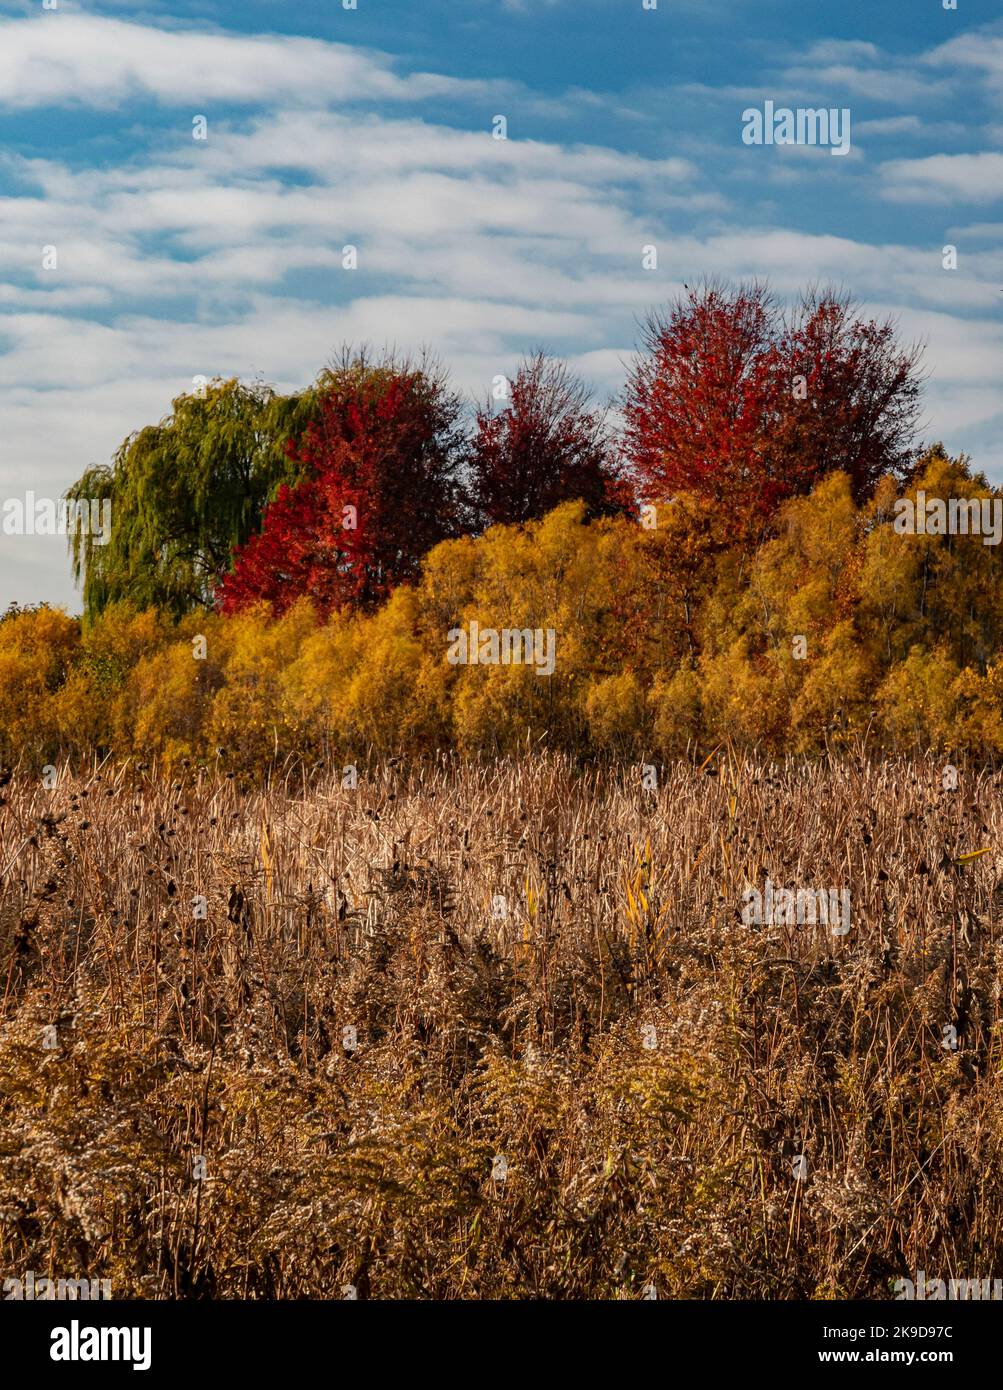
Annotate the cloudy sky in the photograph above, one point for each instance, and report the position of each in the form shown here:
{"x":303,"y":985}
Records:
{"x":372,"y":127}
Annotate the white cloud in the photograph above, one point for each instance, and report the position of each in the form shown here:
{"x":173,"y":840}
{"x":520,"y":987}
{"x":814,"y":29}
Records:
{"x":979,"y":50}
{"x":56,"y":59}
{"x":976,"y":178}
{"x":842,"y":51}
{"x":835,"y":83}
{"x":891,"y":125}
{"x":432,"y":207}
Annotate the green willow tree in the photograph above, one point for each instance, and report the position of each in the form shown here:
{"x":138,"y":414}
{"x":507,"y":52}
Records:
{"x":185,"y":492}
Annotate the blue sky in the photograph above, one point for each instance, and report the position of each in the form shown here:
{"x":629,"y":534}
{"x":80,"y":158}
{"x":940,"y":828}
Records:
{"x":328,"y":126}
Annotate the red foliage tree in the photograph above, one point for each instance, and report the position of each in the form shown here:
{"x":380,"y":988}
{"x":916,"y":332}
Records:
{"x":378,"y":491}
{"x":860,"y":402}
{"x":545,"y":447}
{"x":738,"y":402}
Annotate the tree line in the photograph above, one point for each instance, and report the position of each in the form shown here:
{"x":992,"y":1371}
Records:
{"x":668,"y":639}
{"x":335,"y":493}
{"x":717,"y":557}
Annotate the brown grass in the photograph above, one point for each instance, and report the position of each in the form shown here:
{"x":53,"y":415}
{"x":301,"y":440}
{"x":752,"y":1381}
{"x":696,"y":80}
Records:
{"x":481,"y":1037}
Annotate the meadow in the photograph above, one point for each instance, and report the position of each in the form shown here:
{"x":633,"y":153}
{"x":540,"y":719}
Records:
{"x":498,"y":1030}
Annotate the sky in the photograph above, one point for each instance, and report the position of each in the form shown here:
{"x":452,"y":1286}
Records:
{"x":178,"y":258}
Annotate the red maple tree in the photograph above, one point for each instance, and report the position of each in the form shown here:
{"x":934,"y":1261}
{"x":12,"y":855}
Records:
{"x":741,"y":403}
{"x":547,"y":446}
{"x":378,"y":491}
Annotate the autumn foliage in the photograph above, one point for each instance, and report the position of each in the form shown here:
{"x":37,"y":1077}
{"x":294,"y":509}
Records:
{"x":336,"y":492}
{"x":669,"y":639}
{"x":734,"y":400}
{"x":546,"y":446}
{"x":722,"y":566}
{"x":377,"y":492}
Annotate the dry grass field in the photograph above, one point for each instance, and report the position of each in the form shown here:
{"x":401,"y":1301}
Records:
{"x":499,"y":1031}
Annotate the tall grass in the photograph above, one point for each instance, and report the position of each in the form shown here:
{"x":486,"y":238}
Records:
{"x":542,"y":964}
